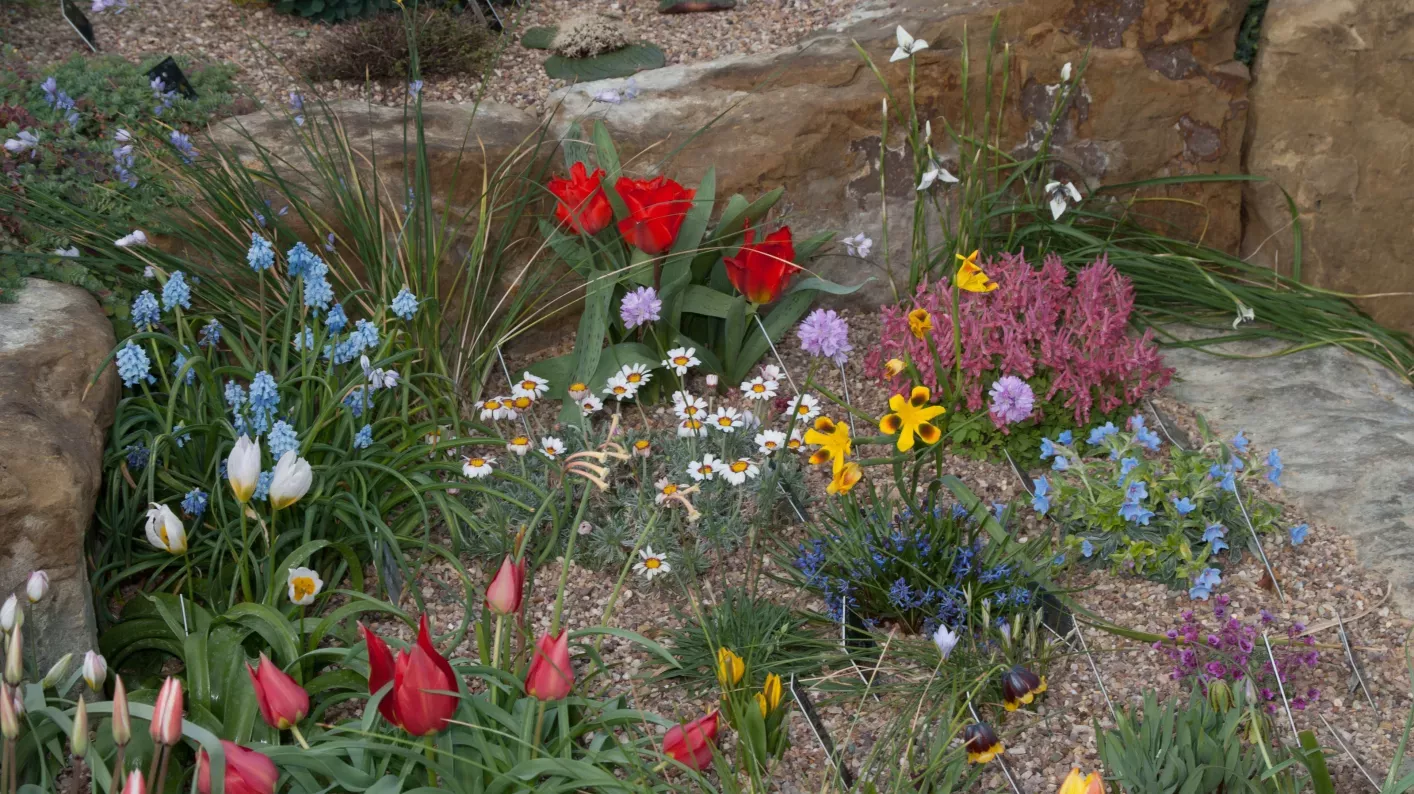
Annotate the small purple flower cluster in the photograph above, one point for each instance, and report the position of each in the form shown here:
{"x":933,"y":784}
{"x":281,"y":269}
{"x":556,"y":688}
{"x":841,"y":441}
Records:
{"x":1222,"y":653}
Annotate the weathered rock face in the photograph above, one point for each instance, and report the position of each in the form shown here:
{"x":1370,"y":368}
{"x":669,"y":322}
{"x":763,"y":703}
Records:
{"x":1330,"y":121}
{"x":1161,"y":96}
{"x":52,"y":426}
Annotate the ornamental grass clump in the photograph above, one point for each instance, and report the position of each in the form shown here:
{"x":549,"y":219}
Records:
{"x":1040,"y":350}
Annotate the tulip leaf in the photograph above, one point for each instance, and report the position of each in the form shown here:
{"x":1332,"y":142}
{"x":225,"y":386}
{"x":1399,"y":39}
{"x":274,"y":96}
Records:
{"x":735,"y":333}
{"x":304,"y":553}
{"x":807,"y":248}
{"x":593,"y":325}
{"x":569,"y":248}
{"x":698,"y":299}
{"x":624,"y":634}
{"x":677,"y":270}
{"x":271,"y":626}
{"x":738,"y":215}
{"x":825,"y":285}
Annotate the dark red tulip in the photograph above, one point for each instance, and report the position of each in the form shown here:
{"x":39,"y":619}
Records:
{"x":550,"y":676}
{"x":504,"y":594}
{"x":581,"y":204}
{"x":761,"y":271}
{"x":656,"y":210}
{"x":691,"y":744}
{"x":247,"y":771}
{"x":283,"y":702}
{"x":420,"y":675}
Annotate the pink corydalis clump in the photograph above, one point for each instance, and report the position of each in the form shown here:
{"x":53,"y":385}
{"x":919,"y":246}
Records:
{"x":1070,"y":341}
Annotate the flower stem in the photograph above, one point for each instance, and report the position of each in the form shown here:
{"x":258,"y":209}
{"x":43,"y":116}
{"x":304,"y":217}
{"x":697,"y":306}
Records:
{"x":569,"y":560}
{"x":299,"y":737}
{"x":431,"y":751}
{"x":245,"y":553}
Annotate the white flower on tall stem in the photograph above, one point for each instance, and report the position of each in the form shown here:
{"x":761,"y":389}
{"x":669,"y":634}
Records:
{"x":806,"y":407}
{"x":681,"y":359}
{"x":591,"y":405}
{"x":620,"y":389}
{"x":935,"y":173}
{"x":95,"y":670}
{"x":858,"y":246}
{"x":491,"y":408}
{"x":552,"y":447}
{"x":650,"y":564}
{"x":37,"y":586}
{"x":1058,"y":194}
{"x":770,"y":440}
{"x":1065,"y":71}
{"x":291,"y":480}
{"x":1244,"y":315}
{"x":518,"y":445}
{"x":477,"y":467}
{"x":772,"y":372}
{"x":303,"y":584}
{"x":10,"y":614}
{"x":378,"y":377}
{"x":741,"y":470}
{"x":707,"y":468}
{"x":636,"y":375}
{"x":531,"y":386}
{"x":689,"y":428}
{"x":759,"y":389}
{"x":165,"y":530}
{"x":907,"y":45}
{"x":725,"y":419}
{"x":945,"y":639}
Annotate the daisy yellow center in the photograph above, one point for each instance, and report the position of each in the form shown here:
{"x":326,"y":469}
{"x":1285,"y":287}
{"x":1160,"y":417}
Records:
{"x":725,"y":421}
{"x":758,"y":388}
{"x":652,"y":563}
{"x":680,"y":361}
{"x":794,"y":443}
{"x":528,"y":385}
{"x":635,"y":377}
{"x":641,"y":443}
{"x":669,"y":490}
{"x":620,"y":389}
{"x":690,"y":410}
{"x":692,"y":424}
{"x":477,"y":463}
{"x":304,"y":587}
{"x":705,"y":469}
{"x":491,"y":405}
{"x":802,"y":410}
{"x":578,"y":387}
{"x":770,"y":445}
{"x":740,"y":466}
{"x":519,"y":441}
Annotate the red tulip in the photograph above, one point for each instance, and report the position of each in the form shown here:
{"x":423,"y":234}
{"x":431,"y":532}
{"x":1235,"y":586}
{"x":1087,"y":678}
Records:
{"x":656,"y":210}
{"x":283,"y":703}
{"x":581,"y":203}
{"x":166,"y":725}
{"x":504,"y":594}
{"x":550,"y":676}
{"x":691,"y":744}
{"x":761,"y":271}
{"x":134,"y":783}
{"x":419,"y":676}
{"x":247,"y":771}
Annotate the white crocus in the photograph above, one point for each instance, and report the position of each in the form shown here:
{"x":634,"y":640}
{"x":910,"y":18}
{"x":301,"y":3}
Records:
{"x":858,"y":246}
{"x":37,"y":586}
{"x":137,"y":237}
{"x":945,"y":639}
{"x":1058,"y":194}
{"x":304,"y":585}
{"x":165,"y":530}
{"x":95,"y":670}
{"x":26,"y":141}
{"x":907,"y":45}
{"x":10,"y":614}
{"x":291,"y":481}
{"x":1244,"y":315}
{"x":243,"y":468}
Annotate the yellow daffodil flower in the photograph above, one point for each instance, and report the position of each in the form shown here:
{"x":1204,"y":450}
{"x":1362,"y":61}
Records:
{"x":848,"y":477}
{"x":770,"y":695}
{"x":911,"y":417}
{"x":970,"y":277}
{"x":920,"y":322}
{"x":833,"y":440}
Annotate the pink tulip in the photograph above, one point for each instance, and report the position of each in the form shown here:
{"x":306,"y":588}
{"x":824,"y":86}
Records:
{"x":504,"y":594}
{"x":550,"y":677}
{"x":167,"y":714}
{"x":283,"y":702}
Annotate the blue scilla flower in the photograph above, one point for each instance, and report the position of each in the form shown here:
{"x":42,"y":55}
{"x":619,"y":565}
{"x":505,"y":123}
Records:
{"x":180,"y":437}
{"x":995,"y":574}
{"x":137,"y":456}
{"x":210,"y":334}
{"x":1274,"y":467}
{"x":299,"y":259}
{"x":1298,"y":534}
{"x":1065,"y":438}
{"x":1087,"y":549}
{"x":404,"y":304}
{"x":195,"y":503}
{"x":282,"y":439}
{"x":262,"y":485}
{"x":1240,"y":442}
{"x":134,"y":365}
{"x":1048,"y":448}
{"x":1060,"y":463}
{"x":1040,"y":499}
{"x":177,"y":364}
{"x":962,"y":563}
{"x":336,"y":320}
{"x":958,"y":511}
{"x":1099,"y":434}
{"x":261,"y":255}
{"x":1184,"y":505}
{"x":145,"y":313}
{"x":900,"y":594}
{"x":176,"y":292}
{"x":364,"y":438}
{"x":1020,"y":596}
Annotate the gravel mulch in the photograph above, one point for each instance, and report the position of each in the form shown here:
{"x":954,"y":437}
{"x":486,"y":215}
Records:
{"x":264,"y":44}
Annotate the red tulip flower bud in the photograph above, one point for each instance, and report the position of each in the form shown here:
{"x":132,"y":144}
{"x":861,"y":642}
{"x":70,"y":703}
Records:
{"x":550,"y":677}
{"x":691,"y":744}
{"x":135,"y":784}
{"x":761,"y":271}
{"x":247,"y":771}
{"x":656,"y":210}
{"x":581,"y":204}
{"x":167,"y":714}
{"x":283,"y":702}
{"x":420,"y":677}
{"x":504,"y":594}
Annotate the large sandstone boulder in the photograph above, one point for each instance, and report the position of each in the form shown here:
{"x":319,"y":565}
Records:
{"x":52,"y":428}
{"x":1331,"y":121}
{"x":1161,"y":96}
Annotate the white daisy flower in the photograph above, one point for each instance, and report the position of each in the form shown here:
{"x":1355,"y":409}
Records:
{"x":531,"y":386}
{"x":797,"y":439}
{"x":688,"y":428}
{"x":619,"y":388}
{"x":518,"y":404}
{"x":725,"y":419}
{"x":304,"y":585}
{"x":635,"y":375}
{"x":491,"y":408}
{"x":770,"y":441}
{"x":681,"y":359}
{"x":477,"y":467}
{"x":518,"y":445}
{"x":591,"y":405}
{"x":650,"y":564}
{"x":688,"y":407}
{"x":707,"y":468}
{"x":578,"y":391}
{"x":666,"y":489}
{"x":806,"y":407}
{"x":759,"y":389}
{"x":552,"y":447}
{"x":739,"y":471}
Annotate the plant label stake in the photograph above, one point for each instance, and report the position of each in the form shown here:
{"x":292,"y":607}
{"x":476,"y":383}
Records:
{"x":777,"y":354}
{"x":78,"y":22}
{"x":822,"y":735}
{"x":172,"y":78}
{"x":1000,"y":761}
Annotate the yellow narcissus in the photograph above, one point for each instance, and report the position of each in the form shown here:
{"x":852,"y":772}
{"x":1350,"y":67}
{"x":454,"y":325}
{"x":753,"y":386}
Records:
{"x":1075,"y":784}
{"x":832,"y":440}
{"x":912,"y":417}
{"x":970,"y":276}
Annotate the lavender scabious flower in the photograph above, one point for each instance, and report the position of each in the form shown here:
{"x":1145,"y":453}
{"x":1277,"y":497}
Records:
{"x":1012,"y":400}
{"x":640,"y":307}
{"x":134,"y":365}
{"x":824,"y":333}
{"x":404,"y":304}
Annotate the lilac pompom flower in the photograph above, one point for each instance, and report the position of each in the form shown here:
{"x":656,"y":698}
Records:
{"x":640,"y":307}
{"x":1012,"y":399}
{"x":826,"y":334}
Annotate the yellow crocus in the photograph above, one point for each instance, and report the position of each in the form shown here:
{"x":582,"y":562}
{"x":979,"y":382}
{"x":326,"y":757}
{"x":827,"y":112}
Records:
{"x":970,"y":276}
{"x":832,"y":440}
{"x":770,"y":695}
{"x":1075,"y":784}
{"x":730,"y":667}
{"x":893,"y":367}
{"x":910,"y":417}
